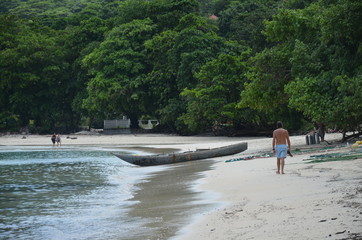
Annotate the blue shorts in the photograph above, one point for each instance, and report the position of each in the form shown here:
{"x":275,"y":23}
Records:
{"x":281,"y":150}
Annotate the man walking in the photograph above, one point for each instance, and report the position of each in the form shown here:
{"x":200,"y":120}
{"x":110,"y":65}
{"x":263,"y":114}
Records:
{"x":280,"y":145}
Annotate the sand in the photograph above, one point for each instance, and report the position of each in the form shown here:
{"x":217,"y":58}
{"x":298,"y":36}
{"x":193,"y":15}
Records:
{"x":132,"y":140}
{"x":311,"y":201}
{"x":167,"y":199}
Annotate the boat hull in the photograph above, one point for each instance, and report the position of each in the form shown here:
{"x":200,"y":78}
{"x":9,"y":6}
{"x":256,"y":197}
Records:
{"x":152,"y":160}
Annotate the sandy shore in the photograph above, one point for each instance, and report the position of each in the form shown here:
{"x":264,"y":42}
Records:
{"x":132,"y":140}
{"x":311,"y":201}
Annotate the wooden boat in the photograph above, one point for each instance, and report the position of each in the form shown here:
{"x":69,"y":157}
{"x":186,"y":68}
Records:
{"x":152,"y":160}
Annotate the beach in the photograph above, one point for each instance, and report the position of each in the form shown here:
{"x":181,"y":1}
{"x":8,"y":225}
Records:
{"x":313,"y":200}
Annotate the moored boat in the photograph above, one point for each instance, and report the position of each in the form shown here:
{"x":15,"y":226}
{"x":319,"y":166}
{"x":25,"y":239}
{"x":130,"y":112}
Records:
{"x":160,"y":159}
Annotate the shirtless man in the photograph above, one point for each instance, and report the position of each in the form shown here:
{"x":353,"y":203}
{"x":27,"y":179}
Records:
{"x":280,"y":148}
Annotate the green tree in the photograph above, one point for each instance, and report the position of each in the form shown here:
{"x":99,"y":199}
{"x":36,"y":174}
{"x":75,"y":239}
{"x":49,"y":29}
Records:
{"x":119,"y":70}
{"x":317,"y":56}
{"x":33,"y":74}
{"x":269,"y":73}
{"x":328,"y":89}
{"x":213,"y":101}
{"x":6,"y":5}
{"x":166,"y":14}
{"x":243,"y":21}
{"x":336,"y":103}
{"x":79,"y":41}
{"x":177,"y":56}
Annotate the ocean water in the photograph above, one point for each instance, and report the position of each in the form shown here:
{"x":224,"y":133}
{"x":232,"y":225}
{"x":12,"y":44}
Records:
{"x":67,"y":193}
{"x":78,"y":193}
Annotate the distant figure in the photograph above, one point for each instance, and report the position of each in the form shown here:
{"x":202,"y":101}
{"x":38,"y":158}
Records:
{"x":58,"y":140}
{"x":280,"y":148}
{"x":53,"y":137}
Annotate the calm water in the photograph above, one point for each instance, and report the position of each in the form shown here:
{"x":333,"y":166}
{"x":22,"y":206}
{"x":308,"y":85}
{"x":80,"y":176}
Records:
{"x":67,"y":193}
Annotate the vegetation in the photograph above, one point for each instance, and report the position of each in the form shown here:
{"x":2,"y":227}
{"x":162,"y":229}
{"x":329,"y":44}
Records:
{"x":70,"y":62}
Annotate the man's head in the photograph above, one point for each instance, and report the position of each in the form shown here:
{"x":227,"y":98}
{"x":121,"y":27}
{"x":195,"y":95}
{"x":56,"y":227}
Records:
{"x":279,"y":124}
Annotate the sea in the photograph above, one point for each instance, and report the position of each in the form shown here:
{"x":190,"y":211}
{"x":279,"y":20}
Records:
{"x":61,"y":193}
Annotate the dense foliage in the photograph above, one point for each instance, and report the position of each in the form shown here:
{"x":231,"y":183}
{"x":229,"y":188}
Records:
{"x":195,"y":65}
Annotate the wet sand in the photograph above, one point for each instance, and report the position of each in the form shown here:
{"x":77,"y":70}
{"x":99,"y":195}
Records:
{"x":168,"y":199}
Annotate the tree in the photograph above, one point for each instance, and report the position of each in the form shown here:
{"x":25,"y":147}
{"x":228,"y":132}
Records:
{"x":213,"y":101}
{"x":329,"y":91}
{"x":33,"y":72}
{"x":79,"y":41}
{"x":6,"y":5}
{"x":176,"y":57}
{"x":337,"y":103}
{"x":319,"y":57}
{"x":164,"y":13}
{"x":118,"y":71}
{"x":242,"y":21}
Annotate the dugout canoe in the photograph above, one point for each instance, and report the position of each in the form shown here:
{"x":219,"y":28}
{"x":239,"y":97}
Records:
{"x":160,"y":159}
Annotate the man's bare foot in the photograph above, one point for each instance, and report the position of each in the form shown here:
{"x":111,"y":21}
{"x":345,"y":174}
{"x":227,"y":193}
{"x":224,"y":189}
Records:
{"x":277,"y":172}
{"x":283,"y":173}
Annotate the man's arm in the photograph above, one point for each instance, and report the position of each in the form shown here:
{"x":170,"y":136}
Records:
{"x":273,"y":142}
{"x":288,"y":141}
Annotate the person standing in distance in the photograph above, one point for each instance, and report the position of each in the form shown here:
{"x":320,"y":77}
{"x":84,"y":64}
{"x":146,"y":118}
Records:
{"x":281,"y":146}
{"x":58,"y":140}
{"x":53,"y":137}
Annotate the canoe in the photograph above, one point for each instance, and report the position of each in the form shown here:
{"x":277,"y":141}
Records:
{"x":160,"y":159}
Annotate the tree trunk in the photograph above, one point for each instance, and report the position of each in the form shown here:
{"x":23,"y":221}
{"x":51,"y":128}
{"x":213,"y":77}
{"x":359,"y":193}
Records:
{"x":134,"y":122}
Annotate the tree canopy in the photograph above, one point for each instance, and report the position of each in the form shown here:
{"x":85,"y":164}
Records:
{"x":192,"y":64}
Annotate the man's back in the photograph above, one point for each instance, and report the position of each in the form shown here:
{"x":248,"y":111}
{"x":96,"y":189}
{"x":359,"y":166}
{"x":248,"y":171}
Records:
{"x":281,"y":136}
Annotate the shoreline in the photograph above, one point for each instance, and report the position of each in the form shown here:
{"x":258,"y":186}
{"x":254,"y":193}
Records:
{"x":166,"y":199}
{"x":122,"y":140}
{"x":311,"y":201}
